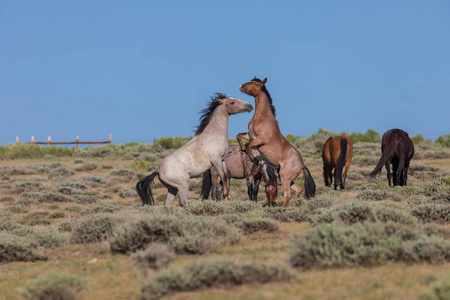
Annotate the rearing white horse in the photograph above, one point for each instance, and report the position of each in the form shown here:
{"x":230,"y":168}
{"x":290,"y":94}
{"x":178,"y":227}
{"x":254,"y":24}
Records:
{"x":208,"y":148}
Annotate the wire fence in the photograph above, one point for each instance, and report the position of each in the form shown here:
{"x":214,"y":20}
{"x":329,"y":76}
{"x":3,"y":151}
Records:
{"x":76,"y":142}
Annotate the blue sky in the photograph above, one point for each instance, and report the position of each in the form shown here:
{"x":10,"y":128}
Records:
{"x":144,"y":69}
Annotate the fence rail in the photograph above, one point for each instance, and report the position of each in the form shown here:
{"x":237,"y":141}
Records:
{"x":77,"y":142}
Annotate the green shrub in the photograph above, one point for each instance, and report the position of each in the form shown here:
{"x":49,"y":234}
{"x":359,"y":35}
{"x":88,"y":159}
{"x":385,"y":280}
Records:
{"x":251,"y":224}
{"x":100,"y":208}
{"x":356,"y":212}
{"x":49,"y":237}
{"x":123,"y":173}
{"x":186,"y":234}
{"x":27,"y":186}
{"x":378,"y":195}
{"x":362,"y":244}
{"x":427,"y":249}
{"x":439,"y":290}
{"x":155,"y":256}
{"x":19,"y":151}
{"x":211,"y":273}
{"x":439,"y":189}
{"x":55,"y":285}
{"x":432,"y":212}
{"x":285,"y":214}
{"x":142,"y":165}
{"x":59,"y":173}
{"x":18,"y":248}
{"x":94,"y":181}
{"x":127,"y":193}
{"x":443,"y":140}
{"x":214,"y":208}
{"x":86,"y":167}
{"x":172,"y":142}
{"x":15,"y":228}
{"x":94,"y":229}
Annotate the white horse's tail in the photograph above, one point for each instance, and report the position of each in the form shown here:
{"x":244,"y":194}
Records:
{"x":144,"y":189}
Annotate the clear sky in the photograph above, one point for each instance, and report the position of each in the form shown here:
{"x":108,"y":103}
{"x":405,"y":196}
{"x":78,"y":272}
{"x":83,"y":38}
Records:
{"x":144,"y":69}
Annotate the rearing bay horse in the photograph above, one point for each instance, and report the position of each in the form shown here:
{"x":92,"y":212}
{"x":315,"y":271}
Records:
{"x":397,"y":149}
{"x":264,"y":134}
{"x":208,"y":148}
{"x":337,"y":154}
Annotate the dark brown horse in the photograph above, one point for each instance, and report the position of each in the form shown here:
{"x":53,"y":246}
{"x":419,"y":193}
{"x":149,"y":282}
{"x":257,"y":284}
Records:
{"x":239,"y":166}
{"x":265,"y":135}
{"x":397,"y":149}
{"x":337,"y":155}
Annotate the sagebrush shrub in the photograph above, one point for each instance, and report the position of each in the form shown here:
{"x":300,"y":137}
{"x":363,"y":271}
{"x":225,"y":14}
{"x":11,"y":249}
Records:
{"x":186,"y":234}
{"x":439,"y":290}
{"x":285,"y":214}
{"x":432,"y":212}
{"x":378,"y":195}
{"x":93,"y":229}
{"x":55,"y":285}
{"x":100,"y":208}
{"x":127,"y":193}
{"x":18,"y":248}
{"x":60,"y":172}
{"x":155,"y":256}
{"x":94,"y":181}
{"x":212,"y":273}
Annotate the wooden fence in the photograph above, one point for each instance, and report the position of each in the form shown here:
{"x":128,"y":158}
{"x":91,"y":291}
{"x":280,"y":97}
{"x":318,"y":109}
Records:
{"x":77,"y":142}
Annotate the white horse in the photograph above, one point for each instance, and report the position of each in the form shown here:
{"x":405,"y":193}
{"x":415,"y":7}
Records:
{"x":208,"y":148}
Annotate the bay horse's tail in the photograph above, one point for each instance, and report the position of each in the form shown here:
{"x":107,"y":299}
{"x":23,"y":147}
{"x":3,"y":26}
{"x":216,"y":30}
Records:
{"x":385,"y":156}
{"x":341,"y":162}
{"x":144,"y":189}
{"x":206,"y":185}
{"x":310,"y":185}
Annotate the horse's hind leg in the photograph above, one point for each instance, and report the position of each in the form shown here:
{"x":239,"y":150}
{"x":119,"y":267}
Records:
{"x":388,"y":170}
{"x":250,"y":187}
{"x":399,"y":174}
{"x":171,"y":195}
{"x":327,"y":173}
{"x":256,"y":189}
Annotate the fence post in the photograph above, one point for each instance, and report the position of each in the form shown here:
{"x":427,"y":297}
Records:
{"x":32,"y":139}
{"x":17,"y":139}
{"x":77,"y":141}
{"x":48,"y":142}
{"x":109,"y":139}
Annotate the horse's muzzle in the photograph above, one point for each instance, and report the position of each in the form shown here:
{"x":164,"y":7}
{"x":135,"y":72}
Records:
{"x":242,"y":88}
{"x":248,"y":107}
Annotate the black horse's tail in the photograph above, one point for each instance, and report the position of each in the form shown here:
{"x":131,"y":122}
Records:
{"x":144,"y":189}
{"x":310,"y":185}
{"x":341,"y":162}
{"x":206,"y":185}
{"x":387,"y":153}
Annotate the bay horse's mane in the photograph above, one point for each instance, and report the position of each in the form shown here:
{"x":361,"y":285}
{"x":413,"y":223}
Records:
{"x":208,"y":112}
{"x":264,"y":89}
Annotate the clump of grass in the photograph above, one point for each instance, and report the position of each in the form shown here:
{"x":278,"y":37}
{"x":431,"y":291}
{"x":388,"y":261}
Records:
{"x":94,"y":229}
{"x":378,"y":195}
{"x":155,"y":256}
{"x":18,"y":248}
{"x":439,"y":290}
{"x":87,"y":199}
{"x":100,"y":208}
{"x":357,"y":212}
{"x":86,"y":167}
{"x":66,"y":190}
{"x":186,"y":234}
{"x":285,"y":214}
{"x":250,"y":224}
{"x":55,"y":285}
{"x":142,"y":165}
{"x":27,"y":186}
{"x":123,"y":172}
{"x":432,"y":212}
{"x":94,"y":181}
{"x":60,"y":172}
{"x":211,"y":273}
{"x":74,"y":185}
{"x":213,"y":208}
{"x":127,"y":193}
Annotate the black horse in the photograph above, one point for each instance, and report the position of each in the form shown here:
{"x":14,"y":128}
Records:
{"x":397,"y":149}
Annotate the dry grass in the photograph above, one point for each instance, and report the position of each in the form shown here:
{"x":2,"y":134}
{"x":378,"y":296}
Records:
{"x":116,"y":276}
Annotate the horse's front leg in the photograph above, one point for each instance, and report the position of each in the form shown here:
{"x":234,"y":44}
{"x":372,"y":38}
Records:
{"x":223,"y":173}
{"x":239,"y":138}
{"x":253,"y":143}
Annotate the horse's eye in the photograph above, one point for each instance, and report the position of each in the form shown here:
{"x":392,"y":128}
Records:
{"x":232,"y":102}
{"x":256,"y":84}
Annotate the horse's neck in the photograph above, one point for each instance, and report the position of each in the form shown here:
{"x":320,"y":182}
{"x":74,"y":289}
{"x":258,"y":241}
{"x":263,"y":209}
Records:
{"x":262,"y":105}
{"x":218,"y":125}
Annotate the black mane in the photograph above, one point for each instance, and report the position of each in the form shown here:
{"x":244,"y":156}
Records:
{"x":267,"y":93}
{"x":208,"y":112}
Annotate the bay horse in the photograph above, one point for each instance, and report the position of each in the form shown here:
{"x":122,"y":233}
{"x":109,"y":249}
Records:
{"x":264,"y":134}
{"x":337,"y":155}
{"x":207,"y":148}
{"x":397,"y":149}
{"x":239,"y":166}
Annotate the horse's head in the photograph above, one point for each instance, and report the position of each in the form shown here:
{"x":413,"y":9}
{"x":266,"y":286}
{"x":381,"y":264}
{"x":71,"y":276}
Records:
{"x":271,"y":189}
{"x":254,"y":87}
{"x":233,"y":105}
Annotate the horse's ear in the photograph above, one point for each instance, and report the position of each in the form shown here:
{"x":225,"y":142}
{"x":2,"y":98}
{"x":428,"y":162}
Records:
{"x":264,"y":81}
{"x":219,"y":95}
{"x":219,"y":98}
